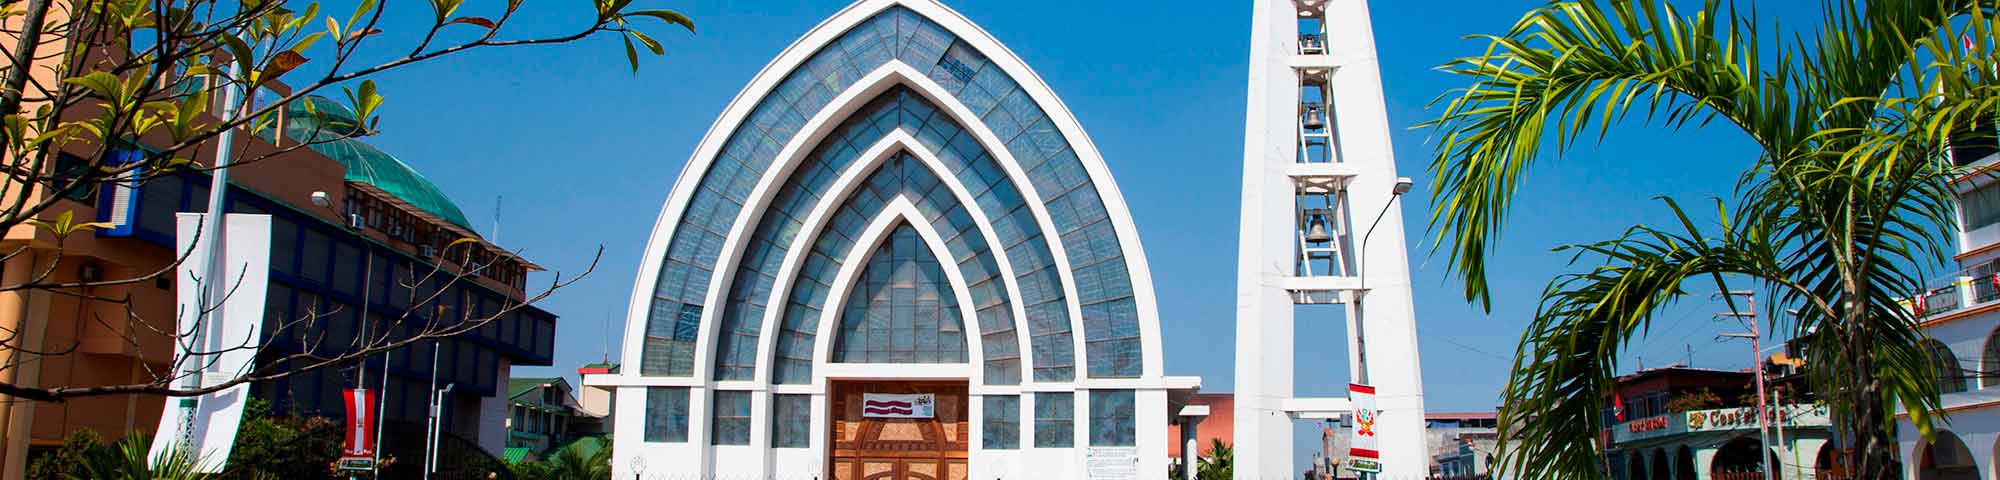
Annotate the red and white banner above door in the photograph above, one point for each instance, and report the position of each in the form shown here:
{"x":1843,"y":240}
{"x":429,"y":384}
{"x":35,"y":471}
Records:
{"x":890,"y":405}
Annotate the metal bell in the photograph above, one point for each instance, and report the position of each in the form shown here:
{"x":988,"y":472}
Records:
{"x":1315,"y":117}
{"x":1316,"y":231}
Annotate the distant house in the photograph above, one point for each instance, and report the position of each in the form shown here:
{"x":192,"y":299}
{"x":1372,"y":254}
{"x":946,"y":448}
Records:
{"x":544,"y":415}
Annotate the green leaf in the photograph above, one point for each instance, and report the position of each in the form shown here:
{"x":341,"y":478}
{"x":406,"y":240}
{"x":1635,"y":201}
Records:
{"x":631,"y":54}
{"x":333,"y":28}
{"x":101,"y":84}
{"x":669,"y":16}
{"x":651,"y":44}
{"x":444,"y":8}
{"x":238,"y":51}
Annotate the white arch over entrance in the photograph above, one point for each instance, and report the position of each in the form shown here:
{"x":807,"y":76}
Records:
{"x":735,"y":115}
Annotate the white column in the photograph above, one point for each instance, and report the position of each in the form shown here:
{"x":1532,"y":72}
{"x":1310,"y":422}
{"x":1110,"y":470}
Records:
{"x":1382,"y":326}
{"x":1263,"y":310}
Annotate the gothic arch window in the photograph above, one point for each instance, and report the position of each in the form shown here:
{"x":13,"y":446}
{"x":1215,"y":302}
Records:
{"x":902,"y":309}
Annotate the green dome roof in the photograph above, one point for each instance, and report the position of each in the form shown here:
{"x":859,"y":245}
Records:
{"x":365,"y":163}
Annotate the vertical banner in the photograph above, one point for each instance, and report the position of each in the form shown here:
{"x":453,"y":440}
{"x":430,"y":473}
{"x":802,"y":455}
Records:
{"x":1361,"y":453}
{"x":229,"y":334}
{"x":357,"y":452}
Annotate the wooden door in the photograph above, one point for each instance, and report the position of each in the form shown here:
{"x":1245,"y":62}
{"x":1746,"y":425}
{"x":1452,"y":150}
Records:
{"x":898,"y":448}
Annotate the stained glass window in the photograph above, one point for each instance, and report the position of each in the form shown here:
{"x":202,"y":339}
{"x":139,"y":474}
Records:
{"x":1055,"y":420}
{"x":667,"y":414}
{"x":1002,"y":423}
{"x":732,"y":418}
{"x":791,"y":424}
{"x":1028,"y":134}
{"x":902,"y":310}
{"x":1112,"y":418}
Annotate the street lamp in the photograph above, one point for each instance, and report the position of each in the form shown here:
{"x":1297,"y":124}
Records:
{"x":1403,"y":185}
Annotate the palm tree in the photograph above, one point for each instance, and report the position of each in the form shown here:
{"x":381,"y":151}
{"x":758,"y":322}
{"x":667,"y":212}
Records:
{"x":1219,"y":464}
{"x":1838,"y":216}
{"x":572,"y":463}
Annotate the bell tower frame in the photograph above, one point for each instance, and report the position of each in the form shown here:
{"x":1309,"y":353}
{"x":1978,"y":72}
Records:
{"x":1319,"y":229}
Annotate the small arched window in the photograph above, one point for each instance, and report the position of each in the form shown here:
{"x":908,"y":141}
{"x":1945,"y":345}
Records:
{"x":1951,"y":377}
{"x":1989,"y":366}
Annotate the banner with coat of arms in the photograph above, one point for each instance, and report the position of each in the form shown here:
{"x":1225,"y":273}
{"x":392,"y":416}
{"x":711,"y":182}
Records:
{"x":1361,"y":453}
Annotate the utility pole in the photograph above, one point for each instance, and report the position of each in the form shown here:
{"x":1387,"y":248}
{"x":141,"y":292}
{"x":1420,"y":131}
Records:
{"x":1756,"y":365}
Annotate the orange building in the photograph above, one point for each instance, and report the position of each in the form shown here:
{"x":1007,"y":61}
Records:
{"x":348,"y":261}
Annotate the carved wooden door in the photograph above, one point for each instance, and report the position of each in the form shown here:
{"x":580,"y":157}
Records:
{"x":898,"y":448}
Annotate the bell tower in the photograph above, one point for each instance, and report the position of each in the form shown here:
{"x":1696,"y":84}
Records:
{"x":1321,"y":238}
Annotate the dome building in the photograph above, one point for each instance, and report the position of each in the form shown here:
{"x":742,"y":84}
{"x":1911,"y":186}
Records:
{"x":895,"y":255}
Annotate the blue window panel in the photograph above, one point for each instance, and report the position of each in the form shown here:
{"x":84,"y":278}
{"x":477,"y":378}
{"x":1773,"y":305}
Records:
{"x":1055,"y":420}
{"x":667,"y":414}
{"x":731,"y":415}
{"x":1003,"y":124}
{"x":1113,"y":418}
{"x":1001,"y":422}
{"x":791,"y":425}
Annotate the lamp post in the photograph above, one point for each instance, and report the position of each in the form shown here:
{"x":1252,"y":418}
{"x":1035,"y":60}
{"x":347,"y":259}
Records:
{"x":322,"y":200}
{"x":437,"y":428}
{"x":1403,"y":185}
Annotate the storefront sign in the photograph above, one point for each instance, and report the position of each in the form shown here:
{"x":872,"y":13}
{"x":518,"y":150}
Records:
{"x":887,"y":405}
{"x":1647,"y":424}
{"x":1743,"y":418}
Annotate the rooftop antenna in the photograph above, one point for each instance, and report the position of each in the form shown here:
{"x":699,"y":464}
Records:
{"x":496,"y":218}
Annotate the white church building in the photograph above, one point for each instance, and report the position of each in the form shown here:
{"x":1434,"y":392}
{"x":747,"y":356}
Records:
{"x":895,"y":255}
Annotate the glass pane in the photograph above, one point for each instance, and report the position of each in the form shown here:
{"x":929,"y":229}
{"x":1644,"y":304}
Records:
{"x":1055,"y":417}
{"x":1002,"y":425}
{"x":1112,"y":418}
{"x":792,"y":422}
{"x":666,"y":414}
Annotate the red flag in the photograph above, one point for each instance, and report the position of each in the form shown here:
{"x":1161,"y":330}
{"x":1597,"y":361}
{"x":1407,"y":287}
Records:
{"x":360,"y":443}
{"x":1618,"y":407}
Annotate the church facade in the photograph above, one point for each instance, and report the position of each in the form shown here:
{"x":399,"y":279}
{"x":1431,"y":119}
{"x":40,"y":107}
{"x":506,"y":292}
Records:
{"x":895,"y":255}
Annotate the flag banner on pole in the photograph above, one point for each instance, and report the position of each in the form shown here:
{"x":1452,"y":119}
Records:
{"x":358,"y":451}
{"x":1362,"y":441}
{"x":886,"y":405}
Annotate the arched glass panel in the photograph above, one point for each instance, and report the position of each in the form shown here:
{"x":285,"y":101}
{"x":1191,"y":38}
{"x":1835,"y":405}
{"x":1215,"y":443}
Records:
{"x":1096,"y":261}
{"x":908,"y":178}
{"x":902,"y":309}
{"x":1951,"y":377}
{"x":1989,"y":372}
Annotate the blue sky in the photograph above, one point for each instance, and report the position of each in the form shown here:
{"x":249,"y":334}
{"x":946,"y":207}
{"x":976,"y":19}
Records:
{"x":585,"y":151}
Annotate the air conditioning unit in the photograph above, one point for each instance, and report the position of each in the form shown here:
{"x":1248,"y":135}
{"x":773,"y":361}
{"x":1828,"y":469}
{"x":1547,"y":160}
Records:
{"x":355,"y":221}
{"x":395,"y":229}
{"x":428,"y":251}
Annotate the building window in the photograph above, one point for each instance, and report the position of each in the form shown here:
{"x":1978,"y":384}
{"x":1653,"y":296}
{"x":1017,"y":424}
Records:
{"x":1055,"y":420}
{"x":1981,"y":207}
{"x":792,"y":422}
{"x":1950,"y":376}
{"x":667,"y":414}
{"x":1002,"y":422}
{"x":732,"y":418}
{"x":1112,"y":422}
{"x":72,"y":168}
{"x":902,"y":309}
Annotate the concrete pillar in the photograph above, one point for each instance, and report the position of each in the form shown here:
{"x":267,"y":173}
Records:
{"x":23,"y":313}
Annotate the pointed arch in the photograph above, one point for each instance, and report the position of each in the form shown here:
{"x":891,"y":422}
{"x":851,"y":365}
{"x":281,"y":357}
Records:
{"x":991,"y":272}
{"x":898,"y":212}
{"x":1118,"y":330}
